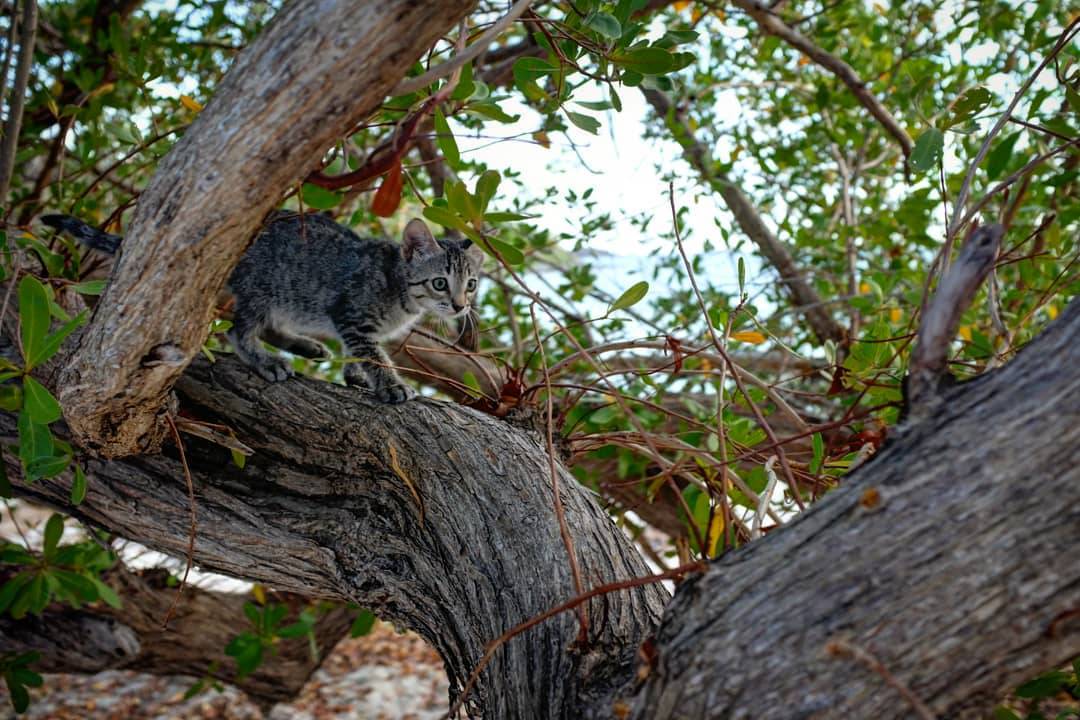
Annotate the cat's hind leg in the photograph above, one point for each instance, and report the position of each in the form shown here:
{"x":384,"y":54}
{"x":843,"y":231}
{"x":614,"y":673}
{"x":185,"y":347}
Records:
{"x":247,"y":327}
{"x":295,"y":344}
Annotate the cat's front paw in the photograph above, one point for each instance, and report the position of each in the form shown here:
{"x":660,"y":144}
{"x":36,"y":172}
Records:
{"x":274,"y":370}
{"x":395,"y":394}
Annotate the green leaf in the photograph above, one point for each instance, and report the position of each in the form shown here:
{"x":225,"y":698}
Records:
{"x":497,"y":217}
{"x":585,"y":122}
{"x":927,"y":152}
{"x":742,"y":276}
{"x":1003,"y":713}
{"x":33,"y":316}
{"x":20,"y":699}
{"x":444,"y":217}
{"x":247,"y":650}
{"x":466,"y":86}
{"x":999,"y":157}
{"x":970,"y":103}
{"x":39,"y":403}
{"x":1044,"y":686}
{"x":486,"y":186}
{"x":319,"y":198}
{"x":35,"y":440}
{"x":631,"y":297}
{"x":492,"y":111}
{"x":605,"y":24}
{"x":11,"y":589}
{"x":532,"y":68}
{"x":106,"y":593}
{"x":238,"y":458}
{"x":46,"y":467}
{"x":55,"y":340}
{"x":363,"y":623}
{"x":10,"y":397}
{"x":509,"y":253}
{"x":445,"y":139}
{"x":819,"y":454}
{"x":89,"y":287}
{"x":78,"y":487}
{"x":646,"y":61}
{"x":54,"y":528}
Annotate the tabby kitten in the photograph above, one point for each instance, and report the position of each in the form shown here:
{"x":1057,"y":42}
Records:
{"x":307,"y":277}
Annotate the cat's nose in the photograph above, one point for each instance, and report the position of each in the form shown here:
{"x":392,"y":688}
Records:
{"x":457,"y":308}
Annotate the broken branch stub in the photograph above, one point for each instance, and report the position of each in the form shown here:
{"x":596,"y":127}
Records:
{"x":317,"y":69}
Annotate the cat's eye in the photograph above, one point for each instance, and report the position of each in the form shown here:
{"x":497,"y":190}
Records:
{"x":472,"y":284}
{"x":440,"y":284}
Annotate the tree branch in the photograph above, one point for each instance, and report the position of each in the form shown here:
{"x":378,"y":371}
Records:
{"x":13,"y":123}
{"x":773,"y":25}
{"x":751,"y":223}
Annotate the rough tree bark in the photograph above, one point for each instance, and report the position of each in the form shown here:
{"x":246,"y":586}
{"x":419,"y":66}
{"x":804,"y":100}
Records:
{"x":437,"y":517}
{"x":310,"y":76}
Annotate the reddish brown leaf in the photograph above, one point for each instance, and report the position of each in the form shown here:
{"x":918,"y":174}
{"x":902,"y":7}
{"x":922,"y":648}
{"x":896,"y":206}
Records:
{"x":388,"y":196}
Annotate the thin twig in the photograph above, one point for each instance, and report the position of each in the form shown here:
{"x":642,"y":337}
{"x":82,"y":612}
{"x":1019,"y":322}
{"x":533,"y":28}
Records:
{"x":13,"y":124}
{"x":489,"y":650}
{"x":192,"y":520}
{"x":845,"y":649}
{"x":411,"y":85}
{"x":788,"y":474}
{"x":560,"y":514}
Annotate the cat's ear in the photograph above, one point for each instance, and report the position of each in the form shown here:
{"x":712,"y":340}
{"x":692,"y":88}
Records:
{"x":473,"y":252}
{"x":418,"y":240}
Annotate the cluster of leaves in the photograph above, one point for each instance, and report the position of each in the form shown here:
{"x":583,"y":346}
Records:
{"x":18,"y":676}
{"x":1061,"y":687}
{"x":69,"y":573}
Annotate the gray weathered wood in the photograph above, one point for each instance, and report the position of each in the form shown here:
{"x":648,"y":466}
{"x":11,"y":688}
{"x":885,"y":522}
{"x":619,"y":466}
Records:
{"x":320,"y":67}
{"x":951,"y":558}
{"x":326,"y":507}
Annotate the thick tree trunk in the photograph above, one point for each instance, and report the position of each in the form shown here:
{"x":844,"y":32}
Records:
{"x":437,"y":517}
{"x":951,"y":559}
{"x":320,"y":67}
{"x":99,"y":638}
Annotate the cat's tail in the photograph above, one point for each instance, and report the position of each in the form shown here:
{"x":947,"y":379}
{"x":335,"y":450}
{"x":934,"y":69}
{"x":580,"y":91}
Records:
{"x":86,"y":234}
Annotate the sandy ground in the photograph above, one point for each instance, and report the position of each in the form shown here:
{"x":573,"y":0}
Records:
{"x":381,"y":676}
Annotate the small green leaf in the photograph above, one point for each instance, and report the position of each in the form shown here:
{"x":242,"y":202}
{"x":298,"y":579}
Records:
{"x":631,"y":297}
{"x":486,"y":186}
{"x":39,"y":403}
{"x":492,"y":111}
{"x":47,"y":466}
{"x":646,"y":61}
{"x":20,"y":699}
{"x":54,"y":528}
{"x":605,"y":24}
{"x":238,"y":458}
{"x":742,"y":276}
{"x":1044,"y":686}
{"x":10,"y":397}
{"x":33,"y":316}
{"x":497,"y":217}
{"x":89,"y":287}
{"x":444,"y":217}
{"x":78,"y":487}
{"x":35,"y":440}
{"x":445,"y":139}
{"x":363,"y":623}
{"x":927,"y":152}
{"x":586,"y":122}
{"x":106,"y":593}
{"x":53,"y":342}
{"x":319,"y":198}
{"x":999,"y":157}
{"x":819,"y":454}
{"x":509,"y":253}
{"x":970,"y":103}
